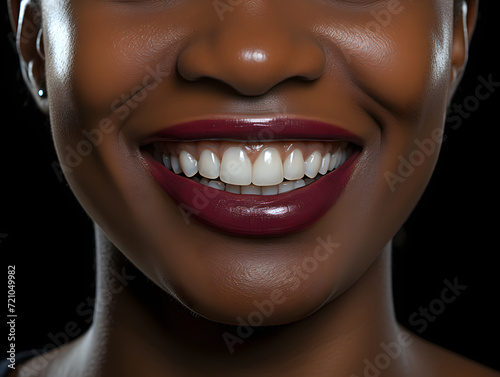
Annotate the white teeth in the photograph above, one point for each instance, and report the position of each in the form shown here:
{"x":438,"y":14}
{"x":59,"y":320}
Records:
{"x":251,"y":190}
{"x":325,"y":163}
{"x":268,"y":168}
{"x":270,"y":190}
{"x":166,"y":161}
{"x":236,"y":173}
{"x":334,"y":158}
{"x":285,"y":187}
{"x":293,"y":168}
{"x":312,"y":164}
{"x":342,"y":159}
{"x":236,"y":167}
{"x":209,"y":164}
{"x":338,"y":158}
{"x":176,"y":166}
{"x":298,"y":184}
{"x":188,"y":163}
{"x":234,"y":189}
{"x":217,"y":185}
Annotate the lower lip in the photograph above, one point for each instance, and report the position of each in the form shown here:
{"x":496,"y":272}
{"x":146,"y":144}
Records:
{"x":253,"y":215}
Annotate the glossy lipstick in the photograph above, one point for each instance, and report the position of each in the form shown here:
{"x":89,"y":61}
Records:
{"x":254,"y":215}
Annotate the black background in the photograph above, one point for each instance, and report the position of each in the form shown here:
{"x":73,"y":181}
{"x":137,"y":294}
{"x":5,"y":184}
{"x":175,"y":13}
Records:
{"x":452,"y":234}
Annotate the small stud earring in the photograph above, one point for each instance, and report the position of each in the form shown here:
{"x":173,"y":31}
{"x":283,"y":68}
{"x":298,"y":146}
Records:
{"x":42,"y":93}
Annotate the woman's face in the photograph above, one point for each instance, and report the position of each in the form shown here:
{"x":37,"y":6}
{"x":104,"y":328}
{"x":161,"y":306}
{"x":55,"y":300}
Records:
{"x":131,"y":81}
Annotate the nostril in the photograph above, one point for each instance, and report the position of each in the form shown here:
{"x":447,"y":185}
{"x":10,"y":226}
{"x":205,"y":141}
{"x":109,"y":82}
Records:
{"x":251,"y":65}
{"x":195,"y":61}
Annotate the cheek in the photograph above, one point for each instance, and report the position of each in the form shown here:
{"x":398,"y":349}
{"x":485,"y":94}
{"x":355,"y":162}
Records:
{"x":116,"y":60}
{"x":407,"y":85}
{"x":403,"y":82}
{"x":399,"y":55}
{"x":414,"y":87}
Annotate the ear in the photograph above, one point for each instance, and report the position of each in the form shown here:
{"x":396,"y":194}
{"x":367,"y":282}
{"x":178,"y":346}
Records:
{"x":465,"y":23}
{"x":25,"y":18}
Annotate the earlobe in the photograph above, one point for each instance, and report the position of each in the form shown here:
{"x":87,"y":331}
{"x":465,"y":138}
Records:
{"x":29,"y":43}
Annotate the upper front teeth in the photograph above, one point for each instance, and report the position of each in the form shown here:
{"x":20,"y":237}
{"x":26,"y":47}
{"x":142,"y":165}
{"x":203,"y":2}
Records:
{"x":236,"y":167}
{"x":268,"y":170}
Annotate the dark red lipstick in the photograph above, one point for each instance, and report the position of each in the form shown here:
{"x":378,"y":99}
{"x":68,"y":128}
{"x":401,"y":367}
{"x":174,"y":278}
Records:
{"x":254,"y":215}
{"x":255,"y":130}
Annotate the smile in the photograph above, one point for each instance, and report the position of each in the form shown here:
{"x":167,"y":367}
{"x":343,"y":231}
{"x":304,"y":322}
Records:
{"x":232,"y":177}
{"x":253,"y":169}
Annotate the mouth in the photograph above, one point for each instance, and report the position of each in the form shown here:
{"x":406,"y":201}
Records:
{"x":260,"y":178}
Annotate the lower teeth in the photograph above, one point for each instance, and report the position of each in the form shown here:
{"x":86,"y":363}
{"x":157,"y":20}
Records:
{"x":285,"y":186}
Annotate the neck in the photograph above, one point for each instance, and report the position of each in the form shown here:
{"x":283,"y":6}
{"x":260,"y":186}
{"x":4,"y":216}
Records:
{"x":139,"y":330}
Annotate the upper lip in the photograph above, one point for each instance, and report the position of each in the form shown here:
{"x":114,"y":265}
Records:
{"x":254,"y":130}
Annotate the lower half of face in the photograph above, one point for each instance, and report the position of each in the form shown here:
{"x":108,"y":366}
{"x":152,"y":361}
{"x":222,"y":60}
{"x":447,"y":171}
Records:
{"x":247,"y":155}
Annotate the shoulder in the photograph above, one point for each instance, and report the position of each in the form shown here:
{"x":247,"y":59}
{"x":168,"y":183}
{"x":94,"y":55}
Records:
{"x":10,"y":367}
{"x":443,"y":362}
{"x":57,"y":361}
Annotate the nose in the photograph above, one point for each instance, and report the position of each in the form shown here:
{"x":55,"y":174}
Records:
{"x":252,"y":51}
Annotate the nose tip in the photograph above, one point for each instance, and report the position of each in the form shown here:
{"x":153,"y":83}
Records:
{"x":249,"y":67}
{"x":254,"y":56}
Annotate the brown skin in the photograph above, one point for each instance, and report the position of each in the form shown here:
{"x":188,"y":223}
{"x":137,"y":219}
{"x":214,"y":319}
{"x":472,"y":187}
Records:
{"x":389,"y":87}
